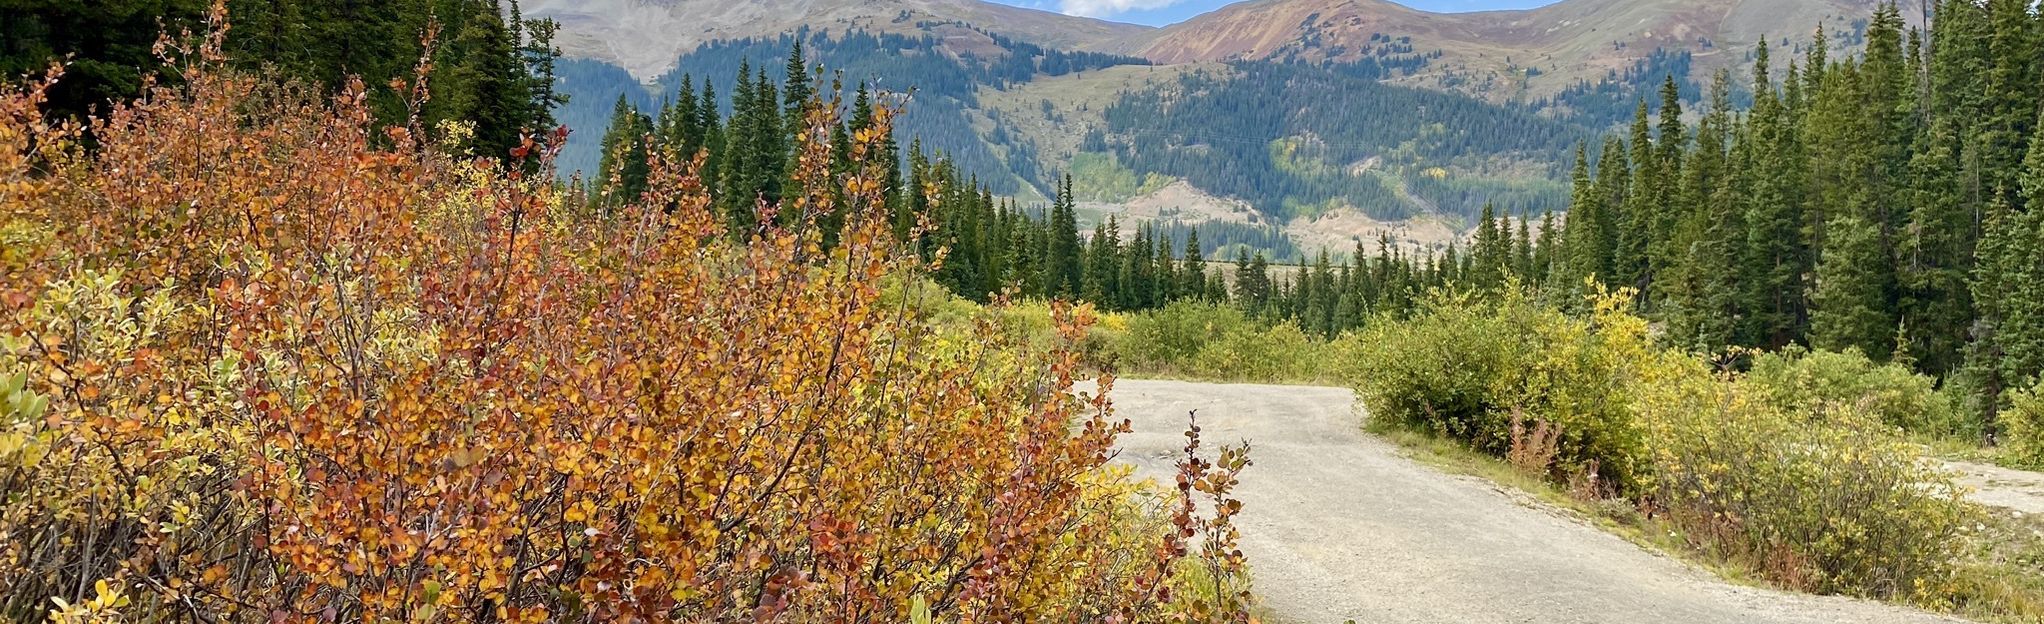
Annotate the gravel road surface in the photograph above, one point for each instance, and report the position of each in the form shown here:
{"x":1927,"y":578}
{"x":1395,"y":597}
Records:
{"x":1339,"y":526}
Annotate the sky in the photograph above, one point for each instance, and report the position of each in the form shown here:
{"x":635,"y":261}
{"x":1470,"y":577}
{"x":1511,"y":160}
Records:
{"x":1166,"y":12}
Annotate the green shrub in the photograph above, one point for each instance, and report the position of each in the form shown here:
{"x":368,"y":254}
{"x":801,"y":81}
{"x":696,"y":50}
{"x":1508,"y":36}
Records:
{"x":1823,"y":382}
{"x":1172,"y":337}
{"x":1245,"y":353}
{"x":1221,"y":343}
{"x":2022,"y":427}
{"x":1461,"y":366}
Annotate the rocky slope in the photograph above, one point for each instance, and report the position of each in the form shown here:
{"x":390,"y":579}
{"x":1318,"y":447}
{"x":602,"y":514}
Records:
{"x":1504,"y":53}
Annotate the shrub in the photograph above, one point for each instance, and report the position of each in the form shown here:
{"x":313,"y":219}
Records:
{"x":266,"y":361}
{"x":1221,"y":343}
{"x":1830,"y":502}
{"x":1245,"y":353}
{"x":1823,"y":382}
{"x":1462,"y":367}
{"x":2022,"y":427}
{"x":1837,"y":506}
{"x":1173,"y":336}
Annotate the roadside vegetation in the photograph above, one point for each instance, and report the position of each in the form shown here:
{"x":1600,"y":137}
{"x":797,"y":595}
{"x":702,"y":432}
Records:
{"x":1802,"y":472}
{"x":264,"y":359}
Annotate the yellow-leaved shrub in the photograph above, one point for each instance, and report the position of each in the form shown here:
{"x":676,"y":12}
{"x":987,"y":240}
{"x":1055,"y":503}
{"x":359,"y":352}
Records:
{"x":2022,"y":428}
{"x":1830,"y":500}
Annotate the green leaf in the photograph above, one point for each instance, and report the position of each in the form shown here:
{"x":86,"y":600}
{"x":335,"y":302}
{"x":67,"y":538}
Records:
{"x":918,"y":611}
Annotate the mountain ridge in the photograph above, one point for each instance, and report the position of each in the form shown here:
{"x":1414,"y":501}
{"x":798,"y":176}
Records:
{"x":645,"y":37}
{"x":1504,"y":54}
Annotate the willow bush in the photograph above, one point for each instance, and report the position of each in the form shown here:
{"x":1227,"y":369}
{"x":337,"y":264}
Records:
{"x":1463,"y":366}
{"x":1822,"y":495}
{"x":267,"y":361}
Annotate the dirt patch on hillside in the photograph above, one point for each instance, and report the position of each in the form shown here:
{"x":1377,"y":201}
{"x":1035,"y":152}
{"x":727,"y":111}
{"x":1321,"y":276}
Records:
{"x":1338,"y":231}
{"x":1180,"y":201}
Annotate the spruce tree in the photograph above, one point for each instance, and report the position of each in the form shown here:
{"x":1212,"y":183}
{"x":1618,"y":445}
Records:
{"x":796,"y":91}
{"x":1631,"y":262}
{"x":623,"y":172}
{"x":1061,"y":254}
{"x":1776,"y":258}
{"x":1165,"y":271}
{"x":1193,"y":279}
{"x":1491,"y":250}
{"x":1851,"y":303}
{"x":1580,"y":257}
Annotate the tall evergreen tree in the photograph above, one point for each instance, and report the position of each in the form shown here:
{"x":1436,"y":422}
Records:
{"x":1777,"y":260}
{"x":1061,"y":253}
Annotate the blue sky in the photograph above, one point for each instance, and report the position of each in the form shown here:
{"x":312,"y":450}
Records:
{"x":1163,"y":12}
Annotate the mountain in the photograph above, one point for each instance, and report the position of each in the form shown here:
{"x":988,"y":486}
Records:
{"x":1321,"y":122}
{"x":646,"y":36}
{"x":1506,"y":54}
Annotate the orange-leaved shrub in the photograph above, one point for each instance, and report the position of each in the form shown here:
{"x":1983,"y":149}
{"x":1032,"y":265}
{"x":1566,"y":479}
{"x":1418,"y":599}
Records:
{"x":276,"y":363}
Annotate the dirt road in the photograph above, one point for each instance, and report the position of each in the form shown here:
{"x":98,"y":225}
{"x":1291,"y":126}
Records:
{"x":1339,"y":526}
{"x":2015,"y":490}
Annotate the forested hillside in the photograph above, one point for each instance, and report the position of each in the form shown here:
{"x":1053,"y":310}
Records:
{"x":937,"y":81}
{"x":1887,"y":204}
{"x":1296,"y":139}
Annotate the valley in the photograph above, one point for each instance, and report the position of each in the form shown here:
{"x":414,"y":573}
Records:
{"x":1344,"y":121}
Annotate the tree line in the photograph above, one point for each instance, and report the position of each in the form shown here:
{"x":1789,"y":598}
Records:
{"x":981,"y":246}
{"x":1891,"y":204}
{"x":492,"y":68}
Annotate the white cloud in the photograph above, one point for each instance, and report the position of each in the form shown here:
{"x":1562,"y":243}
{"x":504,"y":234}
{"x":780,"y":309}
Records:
{"x":1110,"y":8}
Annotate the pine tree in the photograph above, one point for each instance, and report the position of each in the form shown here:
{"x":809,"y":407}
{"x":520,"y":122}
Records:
{"x":1137,"y":281}
{"x":1936,"y":253}
{"x":1491,"y":251}
{"x":1580,"y":256}
{"x":1103,"y":267}
{"x":1614,"y":191}
{"x":738,"y":163}
{"x":2012,"y":92}
{"x":1252,"y":282}
{"x":1671,"y":144}
{"x":2009,"y":289}
{"x":1522,"y":252}
{"x":796,"y":92}
{"x":1702,"y":296}
{"x":1544,"y":249}
{"x":1165,"y":271}
{"x":1852,"y":298}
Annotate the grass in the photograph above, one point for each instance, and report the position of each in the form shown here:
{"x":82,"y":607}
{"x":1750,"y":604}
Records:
{"x":2001,"y":579}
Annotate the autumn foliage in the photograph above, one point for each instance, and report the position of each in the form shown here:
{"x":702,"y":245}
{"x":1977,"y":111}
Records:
{"x":278,"y":363}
